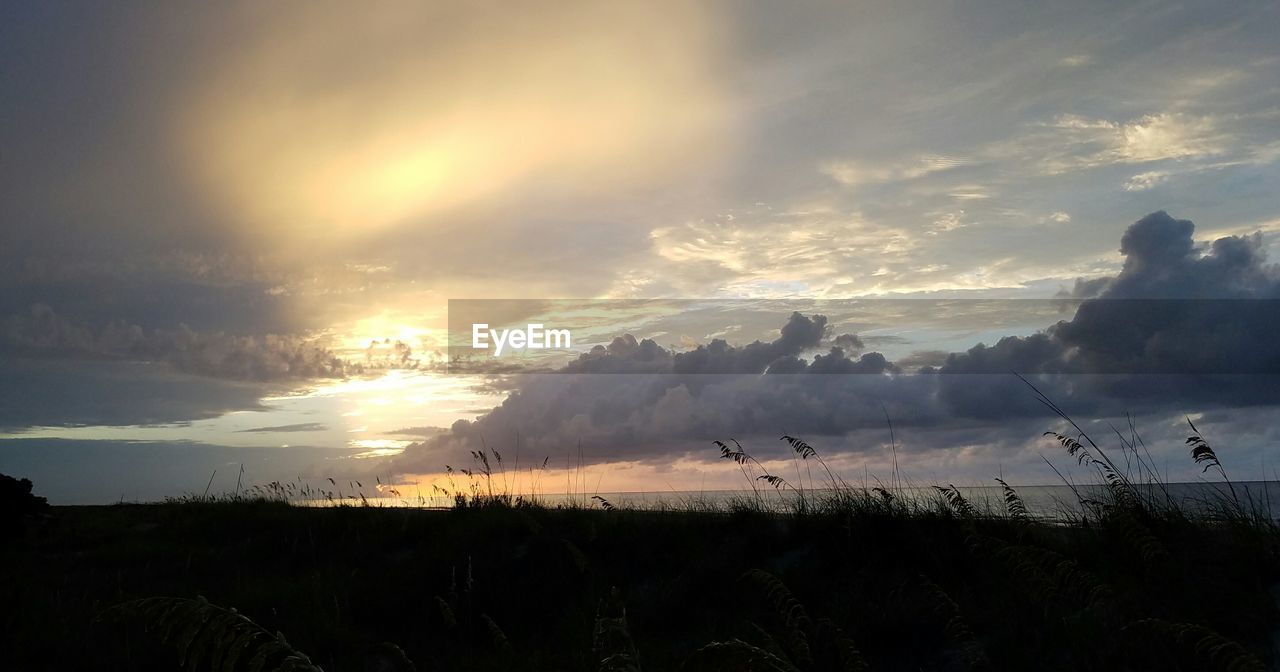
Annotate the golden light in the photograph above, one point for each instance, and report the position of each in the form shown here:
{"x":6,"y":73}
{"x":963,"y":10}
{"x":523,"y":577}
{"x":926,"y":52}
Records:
{"x":335,"y":122}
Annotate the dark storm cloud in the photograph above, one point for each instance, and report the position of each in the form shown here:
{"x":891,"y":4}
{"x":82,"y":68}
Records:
{"x":106,"y":248}
{"x":1172,"y":309}
{"x":800,"y":334}
{"x":720,"y":390}
{"x":232,"y":293}
{"x":1188,"y":326}
{"x":74,"y":393}
{"x":641,"y":397}
{"x":850,"y":343}
{"x":216,"y":354}
{"x":86,"y":98}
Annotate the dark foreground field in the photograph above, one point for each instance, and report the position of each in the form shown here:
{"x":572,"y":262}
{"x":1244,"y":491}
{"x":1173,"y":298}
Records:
{"x":865,"y":585}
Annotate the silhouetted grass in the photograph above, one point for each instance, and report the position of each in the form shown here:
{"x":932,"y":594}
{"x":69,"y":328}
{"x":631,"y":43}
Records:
{"x":803,"y":574}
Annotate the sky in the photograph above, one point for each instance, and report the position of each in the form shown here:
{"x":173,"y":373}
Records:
{"x":230,"y":234}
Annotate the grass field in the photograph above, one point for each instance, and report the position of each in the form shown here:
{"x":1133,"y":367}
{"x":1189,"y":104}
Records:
{"x":841,"y":578}
{"x":865,"y":582}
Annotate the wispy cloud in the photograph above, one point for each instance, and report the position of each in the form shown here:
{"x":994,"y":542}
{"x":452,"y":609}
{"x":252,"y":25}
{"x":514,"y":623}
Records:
{"x":1144,"y":181}
{"x":299,"y":427}
{"x":1074,"y":143}
{"x":792,"y":252}
{"x":854,"y":173}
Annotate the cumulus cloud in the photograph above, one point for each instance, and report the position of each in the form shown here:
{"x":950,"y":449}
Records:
{"x":1174,"y":308}
{"x":640,"y":397}
{"x":332,"y":166}
{"x":783,"y":355}
{"x":850,"y":343}
{"x":642,"y":402}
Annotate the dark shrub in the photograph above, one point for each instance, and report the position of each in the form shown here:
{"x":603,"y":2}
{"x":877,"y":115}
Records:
{"x":16,"y":499}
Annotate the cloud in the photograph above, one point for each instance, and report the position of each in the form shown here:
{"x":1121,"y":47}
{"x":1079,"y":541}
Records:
{"x":636,"y":395}
{"x":1070,"y":142}
{"x":424,"y":431}
{"x":761,"y":253}
{"x":780,"y":356}
{"x":1147,"y":180}
{"x":257,"y":358}
{"x":336,"y":166}
{"x":1087,"y":289}
{"x":571,"y":134}
{"x":853,"y":173}
{"x":921,"y":359}
{"x":57,"y":392}
{"x":1164,"y":136}
{"x":339,"y":126}
{"x":1172,"y":309}
{"x":949,"y":221}
{"x":300,"y":427}
{"x":850,"y":343}
{"x":642,"y":402}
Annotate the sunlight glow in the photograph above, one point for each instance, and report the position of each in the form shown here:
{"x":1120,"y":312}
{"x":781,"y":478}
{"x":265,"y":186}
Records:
{"x":296,"y":133}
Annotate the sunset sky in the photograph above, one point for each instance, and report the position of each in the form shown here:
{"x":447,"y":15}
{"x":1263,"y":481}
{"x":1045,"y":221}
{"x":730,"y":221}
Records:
{"x":229,"y":234}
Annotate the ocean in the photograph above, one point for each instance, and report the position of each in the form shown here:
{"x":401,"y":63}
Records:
{"x":1048,"y":502}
